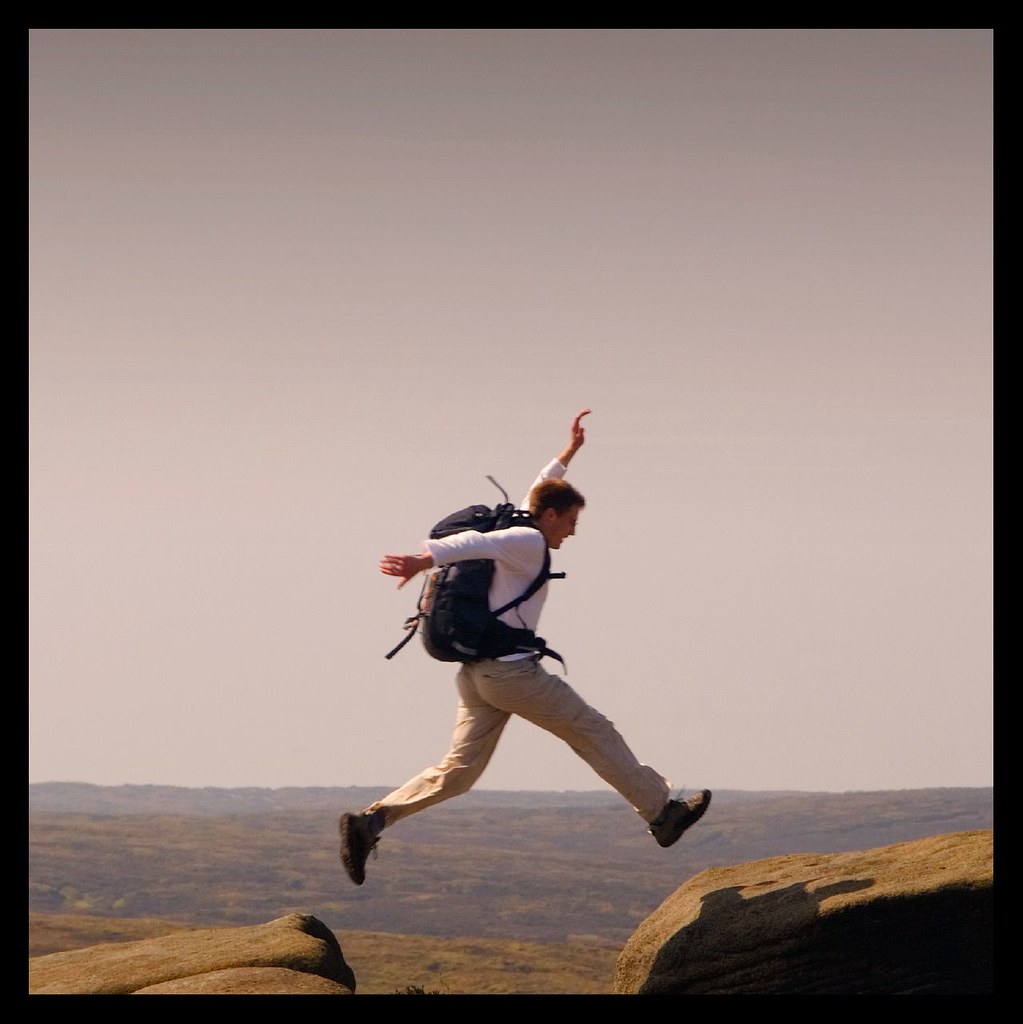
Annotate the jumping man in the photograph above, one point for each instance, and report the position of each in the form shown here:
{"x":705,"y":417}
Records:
{"x":490,"y":691}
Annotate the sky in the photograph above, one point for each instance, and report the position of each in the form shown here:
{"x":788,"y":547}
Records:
{"x":294,"y":294}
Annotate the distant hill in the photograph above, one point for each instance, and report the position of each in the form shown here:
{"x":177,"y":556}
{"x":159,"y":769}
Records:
{"x":85,"y":798}
{"x":89,"y":799}
{"x":539,"y":867}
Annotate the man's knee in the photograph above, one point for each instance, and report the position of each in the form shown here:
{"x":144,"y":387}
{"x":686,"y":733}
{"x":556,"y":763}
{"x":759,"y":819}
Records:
{"x":460,"y":778}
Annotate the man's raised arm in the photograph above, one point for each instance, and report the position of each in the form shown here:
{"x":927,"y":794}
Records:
{"x":556,"y":467}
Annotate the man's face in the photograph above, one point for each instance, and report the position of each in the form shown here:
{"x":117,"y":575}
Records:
{"x":556,"y":526}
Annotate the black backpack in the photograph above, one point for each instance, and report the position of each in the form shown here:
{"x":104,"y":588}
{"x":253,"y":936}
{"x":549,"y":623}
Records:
{"x":453,"y":609}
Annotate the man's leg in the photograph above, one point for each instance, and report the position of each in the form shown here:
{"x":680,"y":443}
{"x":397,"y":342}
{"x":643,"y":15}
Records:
{"x":526,"y":689}
{"x":478,"y":727}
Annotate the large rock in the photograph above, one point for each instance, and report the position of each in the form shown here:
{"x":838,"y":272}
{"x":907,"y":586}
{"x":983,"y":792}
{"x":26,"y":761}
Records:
{"x":294,"y":954}
{"x":910,"y":918}
{"x":249,"y":981}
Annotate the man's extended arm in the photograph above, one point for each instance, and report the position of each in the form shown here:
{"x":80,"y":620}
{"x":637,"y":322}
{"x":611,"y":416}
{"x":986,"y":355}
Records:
{"x":556,"y":467}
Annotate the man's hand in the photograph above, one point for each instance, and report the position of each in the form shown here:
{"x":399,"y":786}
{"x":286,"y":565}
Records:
{"x":405,"y":566}
{"x":578,"y":437}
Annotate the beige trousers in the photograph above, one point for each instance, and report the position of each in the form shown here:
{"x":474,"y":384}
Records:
{"x":490,"y":692}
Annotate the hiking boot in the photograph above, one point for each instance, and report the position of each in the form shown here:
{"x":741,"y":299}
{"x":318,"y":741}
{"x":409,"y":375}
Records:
{"x":357,"y":842}
{"x":677,"y":816}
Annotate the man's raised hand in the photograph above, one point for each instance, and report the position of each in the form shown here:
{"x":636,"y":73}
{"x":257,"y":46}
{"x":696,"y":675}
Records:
{"x":577,"y":439}
{"x":578,"y":434}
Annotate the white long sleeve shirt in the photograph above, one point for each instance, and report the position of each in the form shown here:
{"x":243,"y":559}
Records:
{"x":517,"y":554}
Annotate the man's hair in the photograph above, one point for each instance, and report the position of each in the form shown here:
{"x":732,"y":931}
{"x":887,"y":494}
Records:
{"x":554,"y":493}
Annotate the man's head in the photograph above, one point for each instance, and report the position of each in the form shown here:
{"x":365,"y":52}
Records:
{"x":555,"y":506}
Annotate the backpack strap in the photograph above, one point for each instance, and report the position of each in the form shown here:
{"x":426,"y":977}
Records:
{"x":544,"y":575}
{"x":411,"y":623}
{"x":540,"y":647}
{"x":541,"y":579}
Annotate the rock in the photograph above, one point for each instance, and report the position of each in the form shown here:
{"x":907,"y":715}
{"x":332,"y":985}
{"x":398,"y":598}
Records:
{"x":296,"y":953}
{"x":915,"y":917}
{"x":249,"y":981}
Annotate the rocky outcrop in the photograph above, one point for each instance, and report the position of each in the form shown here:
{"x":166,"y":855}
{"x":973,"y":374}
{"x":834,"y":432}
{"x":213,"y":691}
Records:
{"x":910,"y":918}
{"x":296,"y":954}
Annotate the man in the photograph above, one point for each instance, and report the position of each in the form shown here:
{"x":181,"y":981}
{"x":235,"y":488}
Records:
{"x":492,"y":690}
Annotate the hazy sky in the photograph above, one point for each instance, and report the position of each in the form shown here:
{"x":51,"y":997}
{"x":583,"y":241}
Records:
{"x":294,"y":294}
